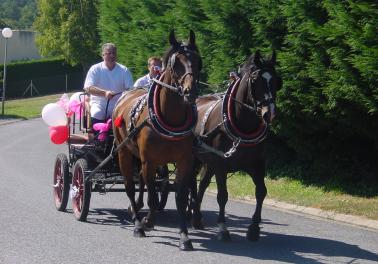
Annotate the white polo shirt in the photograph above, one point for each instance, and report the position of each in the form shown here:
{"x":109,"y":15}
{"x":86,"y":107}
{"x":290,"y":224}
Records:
{"x":143,"y":81}
{"x":117,"y":80}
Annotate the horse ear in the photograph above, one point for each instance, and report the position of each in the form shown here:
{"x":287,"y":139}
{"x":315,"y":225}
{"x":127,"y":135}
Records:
{"x":172,"y":39}
{"x":192,"y":38}
{"x":273,"y":58}
{"x":257,"y":58}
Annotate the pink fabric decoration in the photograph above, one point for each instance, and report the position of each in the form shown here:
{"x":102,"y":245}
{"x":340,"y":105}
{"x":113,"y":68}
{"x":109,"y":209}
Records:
{"x":103,"y":128}
{"x":63,"y":102}
{"x":76,"y":107}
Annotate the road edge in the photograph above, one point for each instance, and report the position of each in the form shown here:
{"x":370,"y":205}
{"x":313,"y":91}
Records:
{"x":330,"y":215}
{"x":7,"y":121}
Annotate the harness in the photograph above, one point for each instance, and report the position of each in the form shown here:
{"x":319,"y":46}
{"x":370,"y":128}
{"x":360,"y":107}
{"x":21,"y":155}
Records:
{"x":157,"y":121}
{"x":237,"y":137}
{"x":232,"y":131}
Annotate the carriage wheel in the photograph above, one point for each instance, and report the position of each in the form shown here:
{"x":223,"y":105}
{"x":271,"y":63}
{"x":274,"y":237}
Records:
{"x":163,"y":192}
{"x":81,"y":190}
{"x":61,"y":182}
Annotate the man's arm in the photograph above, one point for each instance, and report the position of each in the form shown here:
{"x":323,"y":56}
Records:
{"x":93,"y":90}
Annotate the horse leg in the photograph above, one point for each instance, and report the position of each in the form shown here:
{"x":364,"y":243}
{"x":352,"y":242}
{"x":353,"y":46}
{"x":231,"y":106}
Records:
{"x":253,"y":233}
{"x":137,"y":174}
{"x":205,"y":178}
{"x":222,"y":198}
{"x":196,"y":199}
{"x":148,"y":173}
{"x":184,"y":172}
{"x":125,"y":164}
{"x":193,"y":205}
{"x":140,"y":203}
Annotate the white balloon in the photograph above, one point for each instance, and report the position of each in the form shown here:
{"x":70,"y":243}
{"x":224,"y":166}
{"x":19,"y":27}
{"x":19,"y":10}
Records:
{"x":54,"y":115}
{"x":77,"y":96}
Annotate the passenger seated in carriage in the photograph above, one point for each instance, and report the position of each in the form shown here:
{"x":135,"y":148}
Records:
{"x":105,"y":83}
{"x":154,"y":68}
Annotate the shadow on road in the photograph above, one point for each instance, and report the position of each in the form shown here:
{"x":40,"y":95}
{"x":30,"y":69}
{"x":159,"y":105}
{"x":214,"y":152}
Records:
{"x":271,"y":246}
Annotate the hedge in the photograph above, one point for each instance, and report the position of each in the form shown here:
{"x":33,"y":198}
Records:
{"x":48,"y":76}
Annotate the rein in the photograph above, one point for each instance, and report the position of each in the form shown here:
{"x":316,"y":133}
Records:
{"x":170,"y":87}
{"x":251,"y":108}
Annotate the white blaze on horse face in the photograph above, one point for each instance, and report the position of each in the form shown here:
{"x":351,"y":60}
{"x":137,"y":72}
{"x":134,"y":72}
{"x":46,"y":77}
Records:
{"x":267,"y":76}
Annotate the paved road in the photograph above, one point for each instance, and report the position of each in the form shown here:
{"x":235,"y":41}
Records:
{"x":32,"y":231}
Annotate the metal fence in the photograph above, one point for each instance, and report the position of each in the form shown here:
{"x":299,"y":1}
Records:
{"x":43,"y":85}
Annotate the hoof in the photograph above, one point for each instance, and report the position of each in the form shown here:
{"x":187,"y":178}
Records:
{"x":253,"y":233}
{"x":224,"y":236}
{"x":189,"y":214}
{"x":147,"y":225}
{"x":130,"y":211}
{"x":186,"y":245}
{"x":139,"y":232}
{"x":198,"y":224}
{"x":139,"y":206}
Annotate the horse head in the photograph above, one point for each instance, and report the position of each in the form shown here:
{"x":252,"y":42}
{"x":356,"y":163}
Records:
{"x":260,"y":78}
{"x":182,"y":64}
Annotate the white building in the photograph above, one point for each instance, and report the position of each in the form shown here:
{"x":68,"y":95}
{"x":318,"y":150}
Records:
{"x":21,"y":46}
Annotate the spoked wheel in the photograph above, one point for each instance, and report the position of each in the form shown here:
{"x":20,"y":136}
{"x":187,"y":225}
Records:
{"x":81,"y":190}
{"x":61,"y":182}
{"x":163,"y":192}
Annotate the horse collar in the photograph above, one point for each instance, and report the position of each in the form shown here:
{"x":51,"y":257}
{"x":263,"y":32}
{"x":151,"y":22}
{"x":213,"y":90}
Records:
{"x":157,"y":121}
{"x":232,"y":131}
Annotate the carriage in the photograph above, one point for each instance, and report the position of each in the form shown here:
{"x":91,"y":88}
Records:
{"x":160,"y":126}
{"x":92,"y":166}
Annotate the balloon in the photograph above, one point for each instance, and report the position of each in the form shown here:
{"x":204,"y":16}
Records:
{"x":78,"y":96}
{"x":54,"y":115}
{"x":58,"y":134}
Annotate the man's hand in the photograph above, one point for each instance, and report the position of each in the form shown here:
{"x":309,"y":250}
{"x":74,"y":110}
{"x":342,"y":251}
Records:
{"x":109,"y":95}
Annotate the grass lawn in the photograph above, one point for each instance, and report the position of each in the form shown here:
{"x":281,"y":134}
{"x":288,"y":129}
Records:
{"x":294,"y":191}
{"x":29,"y":107}
{"x":240,"y":185}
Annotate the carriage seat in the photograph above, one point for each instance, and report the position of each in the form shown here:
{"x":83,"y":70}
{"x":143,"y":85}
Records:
{"x":78,"y":138}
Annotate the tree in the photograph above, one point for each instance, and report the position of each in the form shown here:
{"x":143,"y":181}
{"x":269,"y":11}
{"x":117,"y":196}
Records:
{"x":68,"y":29}
{"x":18,"y":14}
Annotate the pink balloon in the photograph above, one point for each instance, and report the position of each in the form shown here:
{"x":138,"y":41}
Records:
{"x":58,"y":134}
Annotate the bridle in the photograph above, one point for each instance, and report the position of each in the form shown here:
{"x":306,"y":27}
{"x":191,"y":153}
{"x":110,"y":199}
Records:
{"x":177,"y":86}
{"x":252,"y":75}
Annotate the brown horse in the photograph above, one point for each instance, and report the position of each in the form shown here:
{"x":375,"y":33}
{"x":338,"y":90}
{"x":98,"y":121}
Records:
{"x":231,"y":128}
{"x":161,"y":122}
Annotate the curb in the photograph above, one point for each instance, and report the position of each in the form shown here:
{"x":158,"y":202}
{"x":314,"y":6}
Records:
{"x":330,"y":215}
{"x":9,"y":121}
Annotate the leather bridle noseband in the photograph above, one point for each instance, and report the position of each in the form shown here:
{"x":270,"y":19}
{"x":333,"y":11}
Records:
{"x":252,"y":75}
{"x":177,"y":85}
